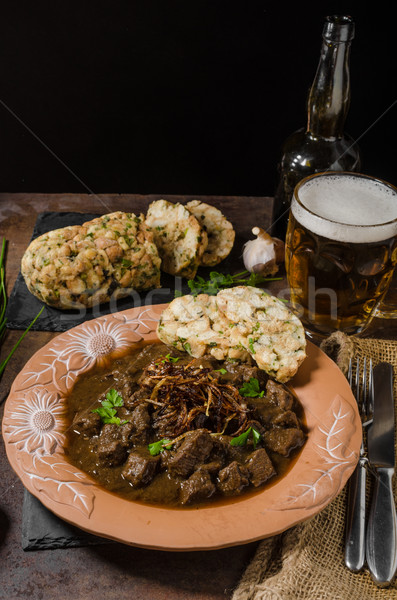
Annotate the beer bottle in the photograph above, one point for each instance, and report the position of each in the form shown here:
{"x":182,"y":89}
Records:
{"x":323,"y":145}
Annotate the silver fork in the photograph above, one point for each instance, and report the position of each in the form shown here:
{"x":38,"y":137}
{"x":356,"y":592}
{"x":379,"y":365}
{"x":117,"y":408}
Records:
{"x":362,"y":388}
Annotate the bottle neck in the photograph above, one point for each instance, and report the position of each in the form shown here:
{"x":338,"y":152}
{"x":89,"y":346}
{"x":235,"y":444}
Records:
{"x":329,"y":97}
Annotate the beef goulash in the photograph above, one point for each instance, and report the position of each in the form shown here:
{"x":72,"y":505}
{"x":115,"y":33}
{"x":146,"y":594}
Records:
{"x":162,"y":427}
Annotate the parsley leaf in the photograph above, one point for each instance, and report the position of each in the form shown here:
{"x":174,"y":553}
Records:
{"x":221,"y":371}
{"x":219,"y":281}
{"x":251,"y":389}
{"x":242,"y":439}
{"x":186,"y":346}
{"x":256,"y":436}
{"x":156,"y":447}
{"x":107,"y":412}
{"x":251,"y":344}
{"x":169,"y":358}
{"x":114,"y":397}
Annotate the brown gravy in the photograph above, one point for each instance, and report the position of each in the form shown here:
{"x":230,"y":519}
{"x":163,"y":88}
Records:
{"x":162,"y":489}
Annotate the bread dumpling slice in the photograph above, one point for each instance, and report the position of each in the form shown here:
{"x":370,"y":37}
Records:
{"x":82,"y":266}
{"x":219,"y":230}
{"x":241,"y":323}
{"x":266,"y":328}
{"x":180,"y":239}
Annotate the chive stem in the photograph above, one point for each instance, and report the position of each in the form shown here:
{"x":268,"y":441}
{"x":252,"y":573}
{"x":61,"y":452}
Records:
{"x":3,"y":307}
{"x":5,"y":361}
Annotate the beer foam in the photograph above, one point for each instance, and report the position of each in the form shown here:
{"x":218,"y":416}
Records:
{"x":347,"y":208}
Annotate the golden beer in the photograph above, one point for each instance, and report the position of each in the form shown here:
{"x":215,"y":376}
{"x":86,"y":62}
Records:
{"x":341,"y":249}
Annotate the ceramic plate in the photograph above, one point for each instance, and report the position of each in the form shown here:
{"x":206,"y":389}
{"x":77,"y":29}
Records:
{"x":34,"y":429}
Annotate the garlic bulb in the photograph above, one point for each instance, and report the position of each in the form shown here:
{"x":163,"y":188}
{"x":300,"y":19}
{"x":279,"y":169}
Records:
{"x":263,"y":254}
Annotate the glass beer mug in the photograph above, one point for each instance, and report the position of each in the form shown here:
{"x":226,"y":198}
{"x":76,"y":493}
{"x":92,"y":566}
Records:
{"x":341,"y":250}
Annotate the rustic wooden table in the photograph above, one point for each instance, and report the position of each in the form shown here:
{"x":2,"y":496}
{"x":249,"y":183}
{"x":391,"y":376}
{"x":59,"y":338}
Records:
{"x":110,"y":571}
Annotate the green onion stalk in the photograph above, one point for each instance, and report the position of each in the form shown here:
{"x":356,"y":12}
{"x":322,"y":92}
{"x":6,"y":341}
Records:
{"x":3,"y":307}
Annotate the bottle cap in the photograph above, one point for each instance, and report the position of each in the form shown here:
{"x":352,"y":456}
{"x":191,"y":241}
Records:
{"x":338,"y":28}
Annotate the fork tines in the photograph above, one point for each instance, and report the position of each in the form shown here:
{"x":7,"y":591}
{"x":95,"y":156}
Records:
{"x":362,"y":385}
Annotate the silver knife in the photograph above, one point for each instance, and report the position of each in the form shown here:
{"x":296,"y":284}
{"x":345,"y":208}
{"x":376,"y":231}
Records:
{"x":381,"y":539}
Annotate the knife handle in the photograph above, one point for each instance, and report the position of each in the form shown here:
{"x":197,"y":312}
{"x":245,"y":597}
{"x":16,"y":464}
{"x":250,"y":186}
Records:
{"x":355,"y":519}
{"x":381,"y":544}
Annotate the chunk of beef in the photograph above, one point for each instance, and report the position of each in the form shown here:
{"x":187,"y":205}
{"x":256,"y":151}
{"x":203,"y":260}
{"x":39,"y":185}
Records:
{"x":221,"y":449}
{"x":140,"y":468}
{"x":127,"y":388}
{"x":198,"y":487}
{"x":213,"y":467}
{"x":113,"y":444}
{"x":238,"y":374}
{"x":264,"y":410}
{"x":260,"y":467}
{"x":151,"y":354}
{"x":140,"y":419}
{"x":282,"y":440}
{"x":286,"y":418}
{"x":205,"y":362}
{"x":138,"y":395}
{"x":87,"y":423}
{"x":256,"y":424}
{"x":193,"y":451}
{"x":279,"y":395}
{"x":148,"y":354}
{"x":232,"y":479}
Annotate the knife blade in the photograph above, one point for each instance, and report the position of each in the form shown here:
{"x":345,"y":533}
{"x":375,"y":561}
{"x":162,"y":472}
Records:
{"x":381,"y":539}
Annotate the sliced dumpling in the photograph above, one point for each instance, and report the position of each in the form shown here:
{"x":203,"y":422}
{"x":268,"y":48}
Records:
{"x":219,"y":230}
{"x":86,"y":265}
{"x":180,"y":239}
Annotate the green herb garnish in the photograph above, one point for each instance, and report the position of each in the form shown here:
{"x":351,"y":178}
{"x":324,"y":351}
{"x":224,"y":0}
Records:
{"x":219,"y":281}
{"x":160,"y":446}
{"x":221,"y":371}
{"x":169,"y":358}
{"x":256,"y":436}
{"x":108,"y":411}
{"x":3,"y":307}
{"x":113,"y":398}
{"x":126,"y":263}
{"x":187,"y":347}
{"x":242,"y":439}
{"x":251,"y":389}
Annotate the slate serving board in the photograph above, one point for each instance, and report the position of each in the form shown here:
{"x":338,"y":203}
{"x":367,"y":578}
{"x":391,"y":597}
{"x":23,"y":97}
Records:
{"x":42,"y":530}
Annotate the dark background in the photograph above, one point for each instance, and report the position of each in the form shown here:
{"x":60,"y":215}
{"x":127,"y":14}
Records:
{"x":168,"y":96}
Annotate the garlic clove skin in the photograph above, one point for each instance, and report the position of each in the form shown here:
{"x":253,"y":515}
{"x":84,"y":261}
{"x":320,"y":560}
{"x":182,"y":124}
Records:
{"x":279,"y":248}
{"x":257,"y":252}
{"x":262,"y":254}
{"x":270,"y":268}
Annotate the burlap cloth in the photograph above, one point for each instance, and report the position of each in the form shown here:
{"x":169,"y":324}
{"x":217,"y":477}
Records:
{"x":307,"y":561}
